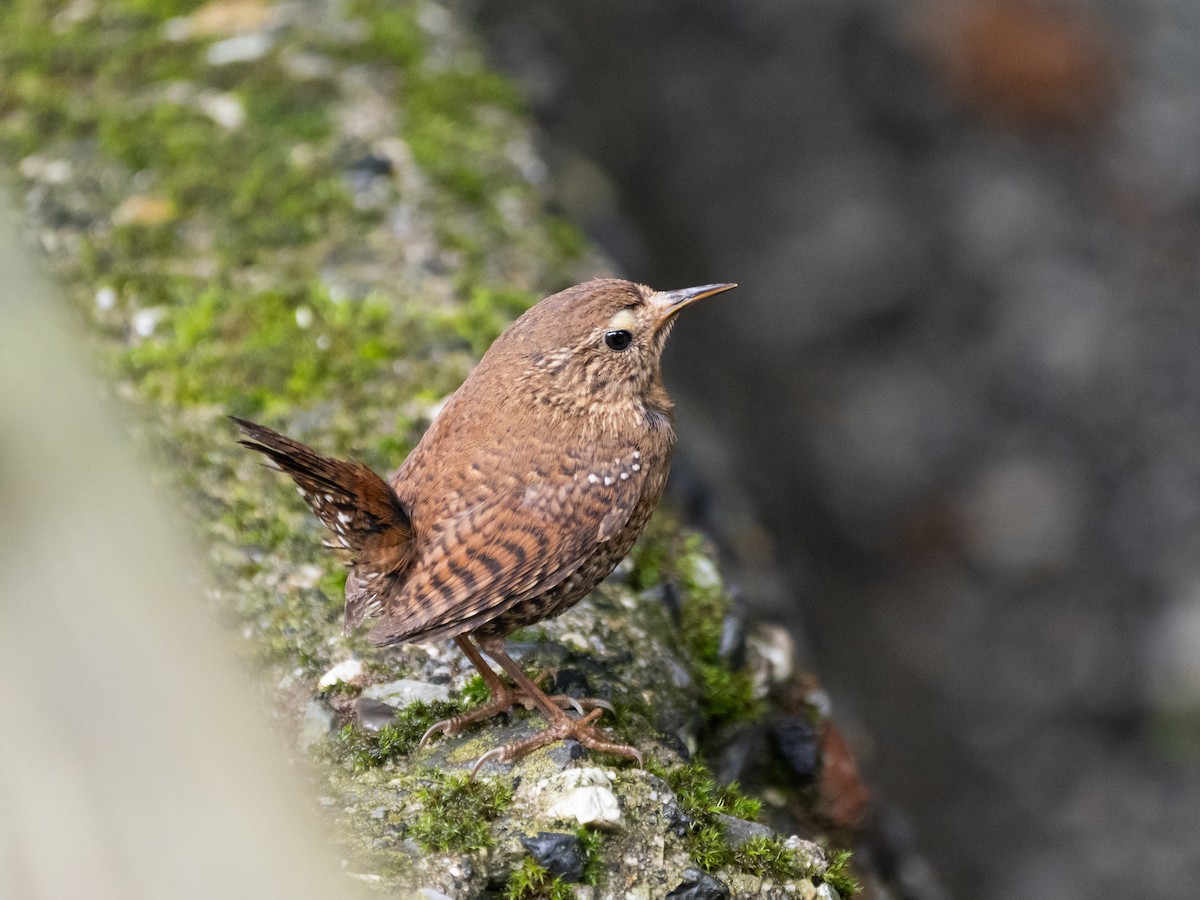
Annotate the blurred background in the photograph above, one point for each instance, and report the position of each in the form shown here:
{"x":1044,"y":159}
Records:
{"x":960,"y":383}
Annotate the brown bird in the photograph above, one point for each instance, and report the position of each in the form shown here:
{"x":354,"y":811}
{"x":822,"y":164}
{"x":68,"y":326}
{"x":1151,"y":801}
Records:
{"x":529,"y":487}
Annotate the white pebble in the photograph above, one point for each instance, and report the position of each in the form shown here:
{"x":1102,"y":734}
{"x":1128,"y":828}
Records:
{"x":106,"y":298}
{"x":404,"y":691}
{"x":347,"y":671}
{"x":243,"y":48}
{"x":145,"y":321}
{"x":225,"y":109}
{"x":592,"y":805}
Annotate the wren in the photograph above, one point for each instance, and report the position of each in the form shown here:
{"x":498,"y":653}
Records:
{"x":527,"y":489}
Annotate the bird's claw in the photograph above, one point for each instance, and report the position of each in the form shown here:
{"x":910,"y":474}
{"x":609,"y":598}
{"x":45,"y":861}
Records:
{"x":499,"y":754}
{"x":443,"y":726}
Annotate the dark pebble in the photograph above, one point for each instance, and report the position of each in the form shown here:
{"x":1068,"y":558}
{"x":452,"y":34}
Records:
{"x":571,"y":682}
{"x":677,"y":820}
{"x":372,"y":715}
{"x":670,"y":600}
{"x":798,"y":744}
{"x":560,"y":854}
{"x":575,"y":750}
{"x":732,"y":647}
{"x":738,"y":831}
{"x":372,"y":165}
{"x":699,"y":885}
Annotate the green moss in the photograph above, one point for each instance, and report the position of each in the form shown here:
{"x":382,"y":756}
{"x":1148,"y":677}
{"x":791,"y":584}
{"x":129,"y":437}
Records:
{"x":474,"y":692}
{"x":456,"y":812}
{"x":488,"y":312}
{"x":653,"y":554}
{"x":567,"y":238}
{"x":708,"y":847}
{"x":699,"y":794}
{"x":767,"y":857}
{"x":367,"y":750}
{"x":249,"y":352}
{"x":593,"y":864}
{"x":530,"y":881}
{"x":393,"y":34}
{"x":839,"y":877}
{"x":341,"y":689}
{"x":161,"y":9}
{"x":666,"y":553}
{"x":447,"y":137}
{"x":702,"y":799}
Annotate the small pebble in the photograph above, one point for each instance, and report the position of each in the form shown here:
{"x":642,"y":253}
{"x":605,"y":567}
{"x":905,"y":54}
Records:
{"x":243,"y":48}
{"x":225,"y":109}
{"x":797,"y":742}
{"x":373,"y":715}
{"x":699,"y":885}
{"x":145,"y":321}
{"x":349,"y":671}
{"x":739,"y":831}
{"x":559,"y":854}
{"x":404,"y":691}
{"x":591,"y":805}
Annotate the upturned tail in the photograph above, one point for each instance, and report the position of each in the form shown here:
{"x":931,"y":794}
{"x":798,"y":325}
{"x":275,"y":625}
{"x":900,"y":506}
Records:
{"x":360,"y":508}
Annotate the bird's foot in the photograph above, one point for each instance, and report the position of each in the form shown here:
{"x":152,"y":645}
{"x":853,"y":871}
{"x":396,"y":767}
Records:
{"x":564,"y":729}
{"x":581,"y":705}
{"x":503,"y":700}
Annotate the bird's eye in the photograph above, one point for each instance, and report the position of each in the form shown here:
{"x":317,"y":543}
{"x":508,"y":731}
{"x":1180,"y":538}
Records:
{"x":618,"y":340}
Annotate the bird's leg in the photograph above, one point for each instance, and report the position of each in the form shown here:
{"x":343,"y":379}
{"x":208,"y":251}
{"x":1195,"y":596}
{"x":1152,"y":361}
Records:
{"x":504,"y":697}
{"x":562,"y":727}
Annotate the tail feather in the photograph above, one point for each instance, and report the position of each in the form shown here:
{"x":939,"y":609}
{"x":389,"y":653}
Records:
{"x":364,"y":514}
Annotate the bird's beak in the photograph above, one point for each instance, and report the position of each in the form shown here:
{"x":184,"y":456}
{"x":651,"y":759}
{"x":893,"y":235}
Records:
{"x":668,"y":303}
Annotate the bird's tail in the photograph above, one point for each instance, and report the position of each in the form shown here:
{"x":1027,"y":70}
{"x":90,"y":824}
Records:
{"x":360,"y":508}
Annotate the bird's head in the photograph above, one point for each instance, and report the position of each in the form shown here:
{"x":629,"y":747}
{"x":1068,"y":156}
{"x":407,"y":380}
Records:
{"x":602,"y":339}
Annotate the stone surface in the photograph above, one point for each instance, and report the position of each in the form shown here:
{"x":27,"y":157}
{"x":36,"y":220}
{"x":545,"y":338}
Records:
{"x":559,"y":854}
{"x":738,"y":831}
{"x":348,"y":671}
{"x":403,"y":691}
{"x":586,"y":796}
{"x":698,"y":885}
{"x":315,"y":725}
{"x":371,"y":715}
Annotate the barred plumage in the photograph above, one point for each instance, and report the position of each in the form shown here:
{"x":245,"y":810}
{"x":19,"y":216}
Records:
{"x":528,"y":488}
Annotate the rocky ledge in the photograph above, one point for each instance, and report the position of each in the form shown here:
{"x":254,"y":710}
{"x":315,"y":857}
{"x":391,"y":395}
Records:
{"x":565,"y":822}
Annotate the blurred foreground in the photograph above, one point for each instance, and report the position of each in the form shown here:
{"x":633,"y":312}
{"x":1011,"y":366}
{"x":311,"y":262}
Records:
{"x":133,"y":763}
